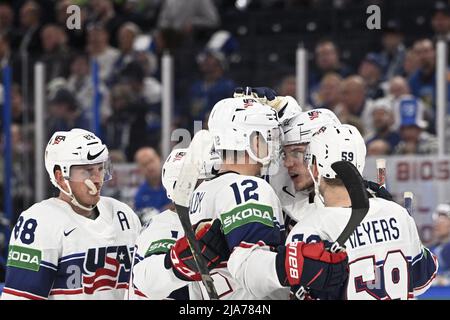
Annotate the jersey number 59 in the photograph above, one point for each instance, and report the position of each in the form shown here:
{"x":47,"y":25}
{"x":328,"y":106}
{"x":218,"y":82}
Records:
{"x":387,"y":279}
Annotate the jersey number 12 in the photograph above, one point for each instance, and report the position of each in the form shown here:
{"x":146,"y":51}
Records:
{"x":248,"y":192}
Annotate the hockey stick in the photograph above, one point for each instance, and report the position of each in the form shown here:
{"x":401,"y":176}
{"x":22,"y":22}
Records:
{"x":381,"y":172}
{"x":198,"y":150}
{"x":408,"y":198}
{"x":354,"y":184}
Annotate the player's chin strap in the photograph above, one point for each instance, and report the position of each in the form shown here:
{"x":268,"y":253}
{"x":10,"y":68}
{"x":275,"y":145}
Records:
{"x":316,"y":185}
{"x":74,"y":201}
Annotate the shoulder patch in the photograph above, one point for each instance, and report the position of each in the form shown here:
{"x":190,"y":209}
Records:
{"x":24,"y":258}
{"x":247,"y":213}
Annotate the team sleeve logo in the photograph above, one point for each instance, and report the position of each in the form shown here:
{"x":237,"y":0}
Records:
{"x":24,"y":258}
{"x":159,"y":246}
{"x":247,"y":213}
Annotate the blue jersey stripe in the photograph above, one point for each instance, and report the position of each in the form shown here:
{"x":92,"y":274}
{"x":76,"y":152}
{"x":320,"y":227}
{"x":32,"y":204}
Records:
{"x":49,"y":265}
{"x":35,"y":282}
{"x":254,"y":232}
{"x":75,"y":255}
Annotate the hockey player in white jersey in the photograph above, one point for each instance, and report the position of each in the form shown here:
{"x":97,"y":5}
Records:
{"x":248,"y":135}
{"x":150,"y":278}
{"x":292,"y":182}
{"x":78,"y":245}
{"x":386,"y":258}
{"x":298,"y":131}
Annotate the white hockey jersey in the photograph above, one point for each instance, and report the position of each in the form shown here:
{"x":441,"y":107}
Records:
{"x":150,"y":279}
{"x":249,"y":211}
{"x":292,"y":202}
{"x":386,"y":257}
{"x":55,"y":253}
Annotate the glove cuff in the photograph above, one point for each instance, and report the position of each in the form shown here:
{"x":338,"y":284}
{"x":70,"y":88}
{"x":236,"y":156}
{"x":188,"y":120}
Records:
{"x":179,"y":268}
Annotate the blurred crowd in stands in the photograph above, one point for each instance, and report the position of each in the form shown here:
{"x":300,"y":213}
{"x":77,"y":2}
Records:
{"x":381,"y":81}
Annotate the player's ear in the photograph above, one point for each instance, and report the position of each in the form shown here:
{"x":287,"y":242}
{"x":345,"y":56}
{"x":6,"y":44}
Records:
{"x":315,"y":171}
{"x":60,"y":178}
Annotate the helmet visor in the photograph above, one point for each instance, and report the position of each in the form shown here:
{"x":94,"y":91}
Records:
{"x":95,"y":172}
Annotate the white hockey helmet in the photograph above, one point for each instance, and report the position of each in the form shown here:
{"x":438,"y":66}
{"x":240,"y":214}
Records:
{"x":301,"y":127}
{"x":174,"y":162}
{"x":75,"y":147}
{"x":335,"y":143}
{"x":235,"y":122}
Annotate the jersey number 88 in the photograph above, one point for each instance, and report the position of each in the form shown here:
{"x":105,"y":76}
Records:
{"x":27,"y":233}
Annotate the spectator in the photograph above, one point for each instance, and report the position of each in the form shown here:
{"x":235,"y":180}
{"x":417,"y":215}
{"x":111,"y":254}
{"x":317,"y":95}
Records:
{"x":397,"y":87}
{"x":116,"y":129}
{"x":440,"y":21}
{"x":370,"y":70}
{"x":378,"y":147}
{"x":410,"y":63}
{"x":147,"y":95}
{"x":180,"y":18}
{"x":30,"y":21}
{"x":8,"y":58}
{"x":64,"y":113}
{"x":126,"y":36}
{"x":353,"y":107}
{"x":6,"y":19}
{"x":383,"y":120}
{"x":56,"y":54}
{"x":329,"y":91}
{"x":327,"y":60}
{"x":127,"y":130}
{"x":423,"y":81}
{"x":151,"y":193}
{"x":99,"y":49}
{"x":213,"y":86}
{"x":130,"y":52}
{"x":393,"y":53}
{"x":81,"y":85}
{"x":414,"y":140}
{"x":288,"y":87}
{"x":146,"y":88}
{"x":142,"y":13}
{"x":441,"y":247}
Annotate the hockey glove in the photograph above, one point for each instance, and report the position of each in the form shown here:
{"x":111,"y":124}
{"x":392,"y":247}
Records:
{"x":312,"y":266}
{"x":213,"y":246}
{"x":374,"y":189}
{"x":264,"y":95}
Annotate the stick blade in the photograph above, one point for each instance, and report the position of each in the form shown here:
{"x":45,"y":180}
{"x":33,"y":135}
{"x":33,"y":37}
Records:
{"x":198,"y":150}
{"x":354,"y":184}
